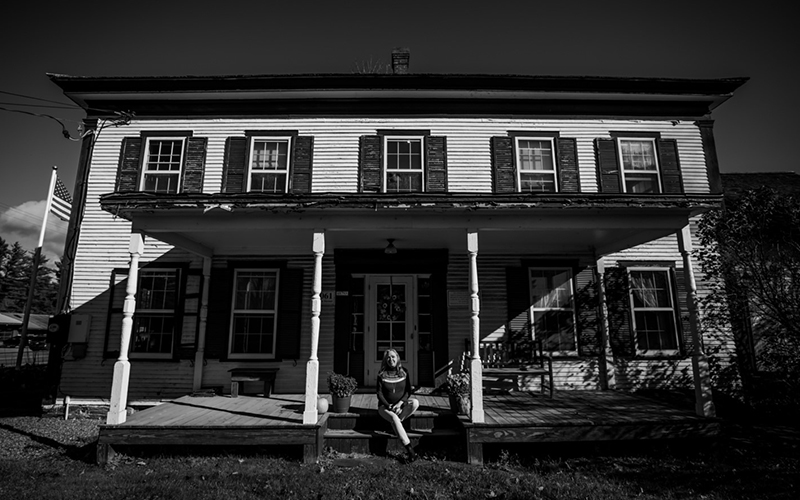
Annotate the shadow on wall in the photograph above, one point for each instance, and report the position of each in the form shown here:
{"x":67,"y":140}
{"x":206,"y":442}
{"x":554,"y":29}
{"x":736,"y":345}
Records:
{"x":87,"y":369}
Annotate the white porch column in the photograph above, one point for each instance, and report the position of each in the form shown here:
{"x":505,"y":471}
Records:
{"x":476,"y":371}
{"x":199,"y":355}
{"x":704,"y":404}
{"x":312,"y":367}
{"x":122,"y":368}
{"x":606,"y":369}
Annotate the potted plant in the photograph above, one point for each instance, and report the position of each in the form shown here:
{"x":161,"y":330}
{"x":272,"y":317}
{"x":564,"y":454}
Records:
{"x":458,"y":388}
{"x":341,"y":388}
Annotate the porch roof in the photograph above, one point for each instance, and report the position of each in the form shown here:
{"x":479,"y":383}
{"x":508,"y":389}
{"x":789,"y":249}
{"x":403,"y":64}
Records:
{"x":543,"y":224}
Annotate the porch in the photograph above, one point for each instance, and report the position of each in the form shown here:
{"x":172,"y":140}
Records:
{"x":518,"y":417}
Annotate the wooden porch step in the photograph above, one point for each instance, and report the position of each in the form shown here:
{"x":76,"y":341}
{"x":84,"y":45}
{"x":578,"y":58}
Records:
{"x":420,"y":421}
{"x":382,"y":442}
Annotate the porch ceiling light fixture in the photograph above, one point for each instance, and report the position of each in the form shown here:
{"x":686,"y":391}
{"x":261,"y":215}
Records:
{"x":390,"y":248}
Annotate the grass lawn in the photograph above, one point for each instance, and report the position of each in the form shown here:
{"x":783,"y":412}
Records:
{"x":760,"y":462}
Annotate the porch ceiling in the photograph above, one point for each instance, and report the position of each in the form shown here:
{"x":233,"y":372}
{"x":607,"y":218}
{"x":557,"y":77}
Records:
{"x":542,"y":232}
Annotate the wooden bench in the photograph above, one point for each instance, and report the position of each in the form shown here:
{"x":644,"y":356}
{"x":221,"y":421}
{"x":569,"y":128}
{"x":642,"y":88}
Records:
{"x":507,"y":359}
{"x":266,"y":375}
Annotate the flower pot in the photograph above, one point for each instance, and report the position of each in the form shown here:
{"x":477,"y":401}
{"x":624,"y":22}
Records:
{"x":459,"y":404}
{"x":341,"y":405}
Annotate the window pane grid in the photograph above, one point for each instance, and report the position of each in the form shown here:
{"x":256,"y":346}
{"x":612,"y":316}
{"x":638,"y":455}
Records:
{"x":154,"y":318}
{"x":404,"y":165}
{"x":163,"y":166}
{"x":269,"y":165}
{"x":536,"y":166}
{"x":553,"y":316}
{"x":254,"y":315}
{"x":653,"y":310}
{"x":639,"y":166}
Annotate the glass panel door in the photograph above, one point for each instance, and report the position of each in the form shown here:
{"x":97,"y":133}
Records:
{"x":391,"y":311}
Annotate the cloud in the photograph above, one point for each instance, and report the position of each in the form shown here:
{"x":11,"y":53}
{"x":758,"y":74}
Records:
{"x":23,"y":222}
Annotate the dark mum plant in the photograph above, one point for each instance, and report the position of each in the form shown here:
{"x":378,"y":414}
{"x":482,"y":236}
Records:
{"x":341,"y":386}
{"x":458,"y":384}
{"x":750,"y":253}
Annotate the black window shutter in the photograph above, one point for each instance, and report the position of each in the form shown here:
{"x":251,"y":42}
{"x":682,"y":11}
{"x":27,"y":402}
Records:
{"x":219,"y":313}
{"x":518,"y":302}
{"x":194,"y":164}
{"x":620,"y":333}
{"x":130,"y":162}
{"x":503,"y":175}
{"x":302,"y":159}
{"x":436,"y":164}
{"x":370,"y":164}
{"x":290,"y":299}
{"x":609,"y":178}
{"x":671,"y":180}
{"x":568,"y":165}
{"x":235,"y":165}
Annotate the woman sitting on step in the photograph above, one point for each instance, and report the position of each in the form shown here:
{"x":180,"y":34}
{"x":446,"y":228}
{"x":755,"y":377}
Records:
{"x":394,"y":401}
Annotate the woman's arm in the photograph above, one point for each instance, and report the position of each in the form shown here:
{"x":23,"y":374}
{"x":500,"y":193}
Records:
{"x":379,"y":389}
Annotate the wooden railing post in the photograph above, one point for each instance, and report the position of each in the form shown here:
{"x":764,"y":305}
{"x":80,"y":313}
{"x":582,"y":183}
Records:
{"x":606,"y":369}
{"x":476,"y":371}
{"x":117,"y":412}
{"x":704,"y":403}
{"x":312,"y":367}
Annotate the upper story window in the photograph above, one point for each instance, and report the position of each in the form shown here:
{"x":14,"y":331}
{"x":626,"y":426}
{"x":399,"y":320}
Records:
{"x":536,"y":166}
{"x":639,"y":165}
{"x":403,"y":165}
{"x":162,"y":165}
{"x":254,"y":316}
{"x":269,"y":164}
{"x":552,"y":309}
{"x":154,"y":320}
{"x":653,"y":310}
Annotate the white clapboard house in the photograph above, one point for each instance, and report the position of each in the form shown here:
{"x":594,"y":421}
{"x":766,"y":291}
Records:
{"x":310,"y":222}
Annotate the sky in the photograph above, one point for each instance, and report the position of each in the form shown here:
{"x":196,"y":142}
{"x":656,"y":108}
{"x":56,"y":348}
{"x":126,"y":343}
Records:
{"x":755,"y":131}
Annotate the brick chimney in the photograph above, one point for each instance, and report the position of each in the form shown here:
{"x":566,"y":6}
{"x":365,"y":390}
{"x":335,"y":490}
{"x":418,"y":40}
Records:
{"x":400,"y":57}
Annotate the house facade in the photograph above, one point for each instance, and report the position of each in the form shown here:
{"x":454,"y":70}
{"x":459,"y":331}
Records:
{"x":310,"y":222}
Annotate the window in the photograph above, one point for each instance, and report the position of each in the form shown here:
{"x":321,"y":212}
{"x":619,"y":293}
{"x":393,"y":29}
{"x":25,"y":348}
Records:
{"x":254,"y":316}
{"x":154,"y":319}
{"x":639,"y":165}
{"x":403,"y":164}
{"x":162,"y":165}
{"x":653,"y":308}
{"x":552,"y":312}
{"x":269,"y":164}
{"x":536,"y":167}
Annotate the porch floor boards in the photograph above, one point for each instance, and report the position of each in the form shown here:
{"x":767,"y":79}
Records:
{"x":514,"y":417}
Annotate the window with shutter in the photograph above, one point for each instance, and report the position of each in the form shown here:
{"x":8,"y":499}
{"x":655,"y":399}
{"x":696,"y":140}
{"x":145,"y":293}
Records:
{"x":652,"y":305}
{"x":268,"y":162}
{"x":402,"y":161}
{"x":534,"y":162}
{"x":162,"y":163}
{"x":155,"y":321}
{"x":638,"y":163}
{"x":254,"y":313}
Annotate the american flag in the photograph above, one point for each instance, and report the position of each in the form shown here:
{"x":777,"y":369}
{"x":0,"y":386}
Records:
{"x":61,"y":205}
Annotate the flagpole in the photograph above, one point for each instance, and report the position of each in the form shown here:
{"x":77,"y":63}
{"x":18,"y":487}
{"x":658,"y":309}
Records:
{"x":37,"y":255}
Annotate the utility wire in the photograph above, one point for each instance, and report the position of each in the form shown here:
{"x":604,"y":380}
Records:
{"x":39,"y":99}
{"x":40,"y":106}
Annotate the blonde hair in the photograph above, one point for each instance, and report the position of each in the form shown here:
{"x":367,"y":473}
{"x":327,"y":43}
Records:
{"x":385,"y":361}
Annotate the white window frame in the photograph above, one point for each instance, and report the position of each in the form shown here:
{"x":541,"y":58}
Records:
{"x":533,"y":309}
{"x":421,"y":170}
{"x":269,"y":138}
{"x":656,"y":172}
{"x":139,"y":312}
{"x":554,"y":171}
{"x":146,"y":162}
{"x":672,"y":309}
{"x":274,"y":312}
